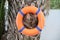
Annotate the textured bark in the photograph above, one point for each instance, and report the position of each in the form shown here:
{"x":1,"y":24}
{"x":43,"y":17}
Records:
{"x":14,"y":7}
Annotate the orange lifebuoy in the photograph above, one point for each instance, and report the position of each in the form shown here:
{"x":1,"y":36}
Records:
{"x":19,"y":23}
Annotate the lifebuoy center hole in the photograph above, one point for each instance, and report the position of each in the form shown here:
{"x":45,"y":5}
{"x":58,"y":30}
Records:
{"x":30,"y":20}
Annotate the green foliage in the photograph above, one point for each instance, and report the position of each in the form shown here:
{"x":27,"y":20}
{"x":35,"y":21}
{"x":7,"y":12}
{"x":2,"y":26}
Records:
{"x":55,"y":4}
{"x":1,"y":17}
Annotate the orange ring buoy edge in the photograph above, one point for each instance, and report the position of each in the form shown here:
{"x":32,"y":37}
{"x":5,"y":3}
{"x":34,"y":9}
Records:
{"x":19,"y":23}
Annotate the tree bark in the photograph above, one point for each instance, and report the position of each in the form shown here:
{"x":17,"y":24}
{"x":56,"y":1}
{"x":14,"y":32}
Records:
{"x":14,"y":7}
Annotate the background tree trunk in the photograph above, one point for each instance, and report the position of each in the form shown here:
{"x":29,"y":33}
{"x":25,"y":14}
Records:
{"x":12,"y":32}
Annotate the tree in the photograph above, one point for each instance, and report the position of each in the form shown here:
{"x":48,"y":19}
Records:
{"x":12,"y":31}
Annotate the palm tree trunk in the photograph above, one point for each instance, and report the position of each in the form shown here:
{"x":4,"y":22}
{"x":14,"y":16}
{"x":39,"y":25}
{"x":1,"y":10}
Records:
{"x":12,"y":31}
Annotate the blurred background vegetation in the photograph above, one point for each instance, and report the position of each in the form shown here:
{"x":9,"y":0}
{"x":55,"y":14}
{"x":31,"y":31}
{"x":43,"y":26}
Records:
{"x":54,"y":4}
{"x":1,"y":16}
